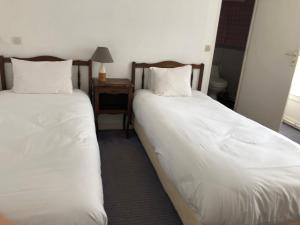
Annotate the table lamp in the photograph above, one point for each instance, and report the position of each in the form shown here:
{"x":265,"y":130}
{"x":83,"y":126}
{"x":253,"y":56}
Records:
{"x":102,"y":55}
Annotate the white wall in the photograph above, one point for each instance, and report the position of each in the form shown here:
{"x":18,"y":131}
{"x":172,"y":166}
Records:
{"x":134,"y":30}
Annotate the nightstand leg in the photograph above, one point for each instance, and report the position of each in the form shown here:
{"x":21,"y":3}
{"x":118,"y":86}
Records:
{"x":128,"y":123}
{"x":127,"y":130}
{"x":124,"y":120}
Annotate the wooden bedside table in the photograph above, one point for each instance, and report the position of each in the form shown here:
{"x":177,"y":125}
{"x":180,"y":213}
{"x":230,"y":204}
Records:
{"x":113,"y":96}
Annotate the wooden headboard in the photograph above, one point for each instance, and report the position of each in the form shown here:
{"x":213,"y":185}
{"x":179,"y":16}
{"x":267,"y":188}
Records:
{"x":78,"y":63}
{"x":166,"y":64}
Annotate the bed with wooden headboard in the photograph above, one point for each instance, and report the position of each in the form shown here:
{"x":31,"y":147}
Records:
{"x":49,"y":155}
{"x":186,"y":214}
{"x":202,"y":153}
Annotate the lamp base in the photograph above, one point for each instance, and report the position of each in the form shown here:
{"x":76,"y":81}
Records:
{"x":102,"y":77}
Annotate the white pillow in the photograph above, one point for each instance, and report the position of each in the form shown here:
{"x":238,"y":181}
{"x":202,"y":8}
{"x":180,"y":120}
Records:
{"x":42,"y":77}
{"x":171,"y":81}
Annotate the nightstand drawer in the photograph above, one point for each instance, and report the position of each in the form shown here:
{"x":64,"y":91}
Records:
{"x":112,"y":90}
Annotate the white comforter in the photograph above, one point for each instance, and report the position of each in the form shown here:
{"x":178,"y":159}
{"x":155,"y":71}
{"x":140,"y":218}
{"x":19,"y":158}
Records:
{"x":231,"y":170}
{"x":49,"y":160}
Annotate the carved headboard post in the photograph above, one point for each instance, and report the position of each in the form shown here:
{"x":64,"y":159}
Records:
{"x":133,"y":73}
{"x":90,"y":64}
{"x":78,"y":77}
{"x":2,"y":73}
{"x":200,"y":77}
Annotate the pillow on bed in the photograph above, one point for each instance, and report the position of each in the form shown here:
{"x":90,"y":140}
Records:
{"x":42,"y":77}
{"x":171,"y":81}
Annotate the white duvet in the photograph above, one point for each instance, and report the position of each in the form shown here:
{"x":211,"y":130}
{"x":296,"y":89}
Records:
{"x":49,"y":160}
{"x":229,"y":169}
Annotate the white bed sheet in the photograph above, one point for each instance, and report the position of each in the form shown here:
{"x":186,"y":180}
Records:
{"x":49,"y":160}
{"x":229,"y":169}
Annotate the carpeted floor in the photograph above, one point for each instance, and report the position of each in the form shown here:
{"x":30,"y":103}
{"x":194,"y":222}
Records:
{"x":290,"y":132}
{"x":133,"y":194}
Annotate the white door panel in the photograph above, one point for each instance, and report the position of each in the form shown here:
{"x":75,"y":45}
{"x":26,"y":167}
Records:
{"x":268,"y":71}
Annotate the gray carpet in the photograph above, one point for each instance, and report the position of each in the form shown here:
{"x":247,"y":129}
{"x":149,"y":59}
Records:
{"x":290,"y":132}
{"x":133,"y":194}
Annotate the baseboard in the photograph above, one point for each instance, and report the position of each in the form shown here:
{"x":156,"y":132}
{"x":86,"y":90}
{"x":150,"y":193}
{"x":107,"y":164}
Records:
{"x":291,"y":122}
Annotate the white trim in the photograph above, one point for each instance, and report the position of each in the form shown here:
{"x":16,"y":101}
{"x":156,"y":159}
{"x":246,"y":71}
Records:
{"x":288,"y":120}
{"x":294,"y":98}
{"x":208,"y":67}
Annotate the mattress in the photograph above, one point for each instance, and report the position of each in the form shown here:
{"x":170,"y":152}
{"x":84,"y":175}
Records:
{"x":49,"y":160}
{"x":227,"y":168}
{"x":187,"y":214}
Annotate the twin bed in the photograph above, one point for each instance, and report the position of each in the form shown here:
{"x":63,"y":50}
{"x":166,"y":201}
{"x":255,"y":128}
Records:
{"x":217,"y":167}
{"x":49,"y":157}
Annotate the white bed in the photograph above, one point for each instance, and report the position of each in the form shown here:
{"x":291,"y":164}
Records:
{"x":49,"y":160}
{"x":217,"y":166}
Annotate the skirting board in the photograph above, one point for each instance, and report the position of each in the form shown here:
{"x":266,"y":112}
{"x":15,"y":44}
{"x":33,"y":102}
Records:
{"x":288,"y":120}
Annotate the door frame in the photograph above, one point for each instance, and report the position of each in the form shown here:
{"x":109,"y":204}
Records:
{"x":246,"y":52}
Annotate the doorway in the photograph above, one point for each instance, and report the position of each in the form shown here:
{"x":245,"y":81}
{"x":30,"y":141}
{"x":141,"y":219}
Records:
{"x":232,"y":36}
{"x":291,"y":119}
